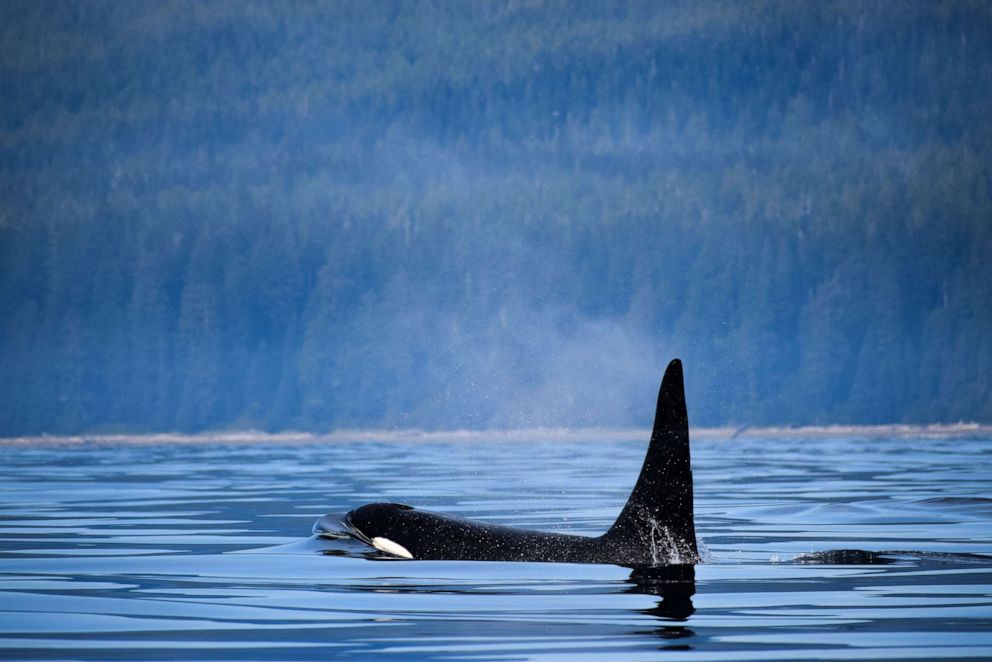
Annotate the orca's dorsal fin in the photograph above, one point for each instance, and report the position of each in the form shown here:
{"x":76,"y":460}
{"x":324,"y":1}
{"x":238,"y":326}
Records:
{"x":658,"y":517}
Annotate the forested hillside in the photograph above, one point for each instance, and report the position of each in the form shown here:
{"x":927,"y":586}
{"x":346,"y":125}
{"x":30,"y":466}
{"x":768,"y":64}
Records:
{"x":445,"y":214}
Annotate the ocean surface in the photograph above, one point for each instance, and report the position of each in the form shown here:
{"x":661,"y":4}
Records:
{"x":815,"y":548}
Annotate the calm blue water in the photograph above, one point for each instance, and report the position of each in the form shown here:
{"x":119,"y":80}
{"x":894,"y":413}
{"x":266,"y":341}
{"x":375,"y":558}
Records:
{"x":200,"y":551}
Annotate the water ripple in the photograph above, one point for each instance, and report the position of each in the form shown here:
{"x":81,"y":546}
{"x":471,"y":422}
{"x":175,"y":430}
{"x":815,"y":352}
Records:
{"x":835,"y":548}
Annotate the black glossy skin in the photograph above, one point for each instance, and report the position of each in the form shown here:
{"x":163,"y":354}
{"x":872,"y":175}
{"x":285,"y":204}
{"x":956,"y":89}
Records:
{"x":655,"y":528}
{"x":436,"y":536}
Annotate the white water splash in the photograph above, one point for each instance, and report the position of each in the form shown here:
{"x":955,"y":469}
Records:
{"x":665,"y":549}
{"x":705,"y":555}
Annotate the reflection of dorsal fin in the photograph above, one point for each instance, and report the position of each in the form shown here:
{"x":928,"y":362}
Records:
{"x":659,"y":512}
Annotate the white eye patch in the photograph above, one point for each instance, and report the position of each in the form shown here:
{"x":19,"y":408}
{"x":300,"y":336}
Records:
{"x":390,"y":547}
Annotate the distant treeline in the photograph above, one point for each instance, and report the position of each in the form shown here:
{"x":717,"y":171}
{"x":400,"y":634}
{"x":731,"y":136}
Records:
{"x":445,"y":214}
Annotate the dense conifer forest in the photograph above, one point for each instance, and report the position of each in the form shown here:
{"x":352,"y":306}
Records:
{"x":316,"y":215}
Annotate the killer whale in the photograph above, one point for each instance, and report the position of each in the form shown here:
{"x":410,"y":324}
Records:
{"x":655,"y":527}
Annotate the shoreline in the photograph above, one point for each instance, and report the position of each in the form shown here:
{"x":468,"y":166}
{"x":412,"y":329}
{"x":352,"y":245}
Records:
{"x":494,"y":435}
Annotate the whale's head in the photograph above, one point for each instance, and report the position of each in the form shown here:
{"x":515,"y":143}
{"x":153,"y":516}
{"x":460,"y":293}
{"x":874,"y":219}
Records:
{"x":389,"y":527}
{"x":406,"y":532}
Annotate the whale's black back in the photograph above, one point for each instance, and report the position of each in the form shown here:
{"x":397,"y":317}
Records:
{"x":654,"y":528}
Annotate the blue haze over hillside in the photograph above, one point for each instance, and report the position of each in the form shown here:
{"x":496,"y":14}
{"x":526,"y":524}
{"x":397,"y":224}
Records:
{"x":446,"y":214}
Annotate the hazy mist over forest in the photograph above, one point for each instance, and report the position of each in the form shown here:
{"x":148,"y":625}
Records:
{"x":296,"y":215}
